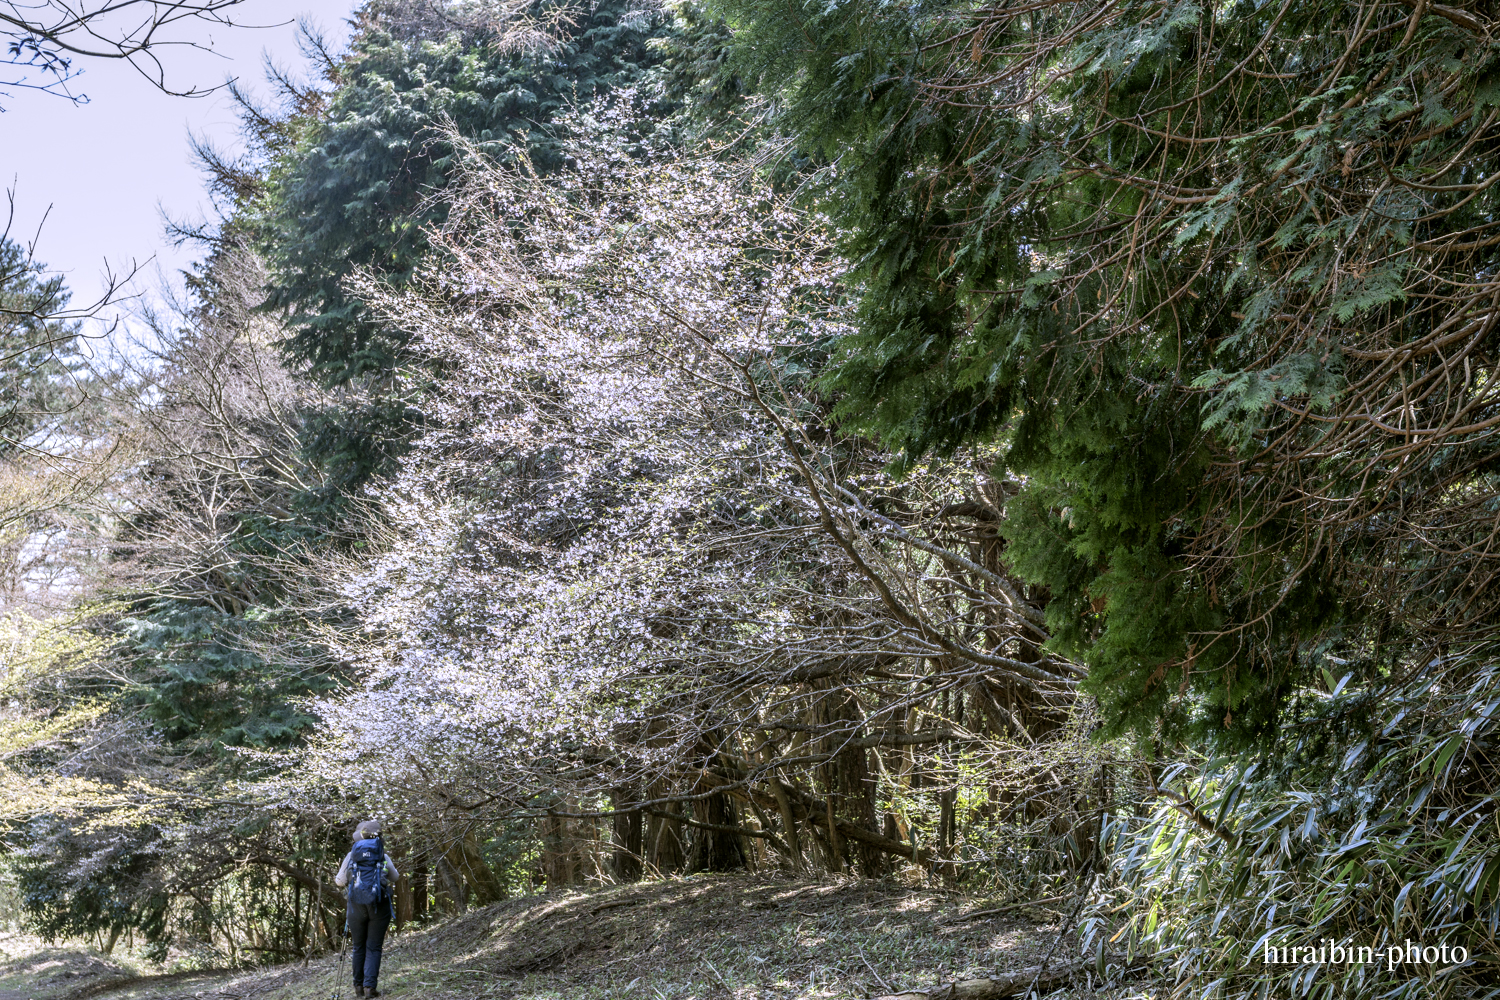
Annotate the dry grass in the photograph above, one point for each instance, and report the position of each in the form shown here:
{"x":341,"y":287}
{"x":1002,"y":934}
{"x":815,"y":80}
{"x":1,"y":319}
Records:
{"x":688,"y":939}
{"x":31,"y":969}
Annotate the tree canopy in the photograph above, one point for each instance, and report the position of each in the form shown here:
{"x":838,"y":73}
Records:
{"x":362,"y":183}
{"x":1218,"y":277}
{"x":1043,"y":448}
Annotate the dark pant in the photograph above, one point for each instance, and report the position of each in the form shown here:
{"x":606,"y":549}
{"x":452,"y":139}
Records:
{"x":367,"y":924}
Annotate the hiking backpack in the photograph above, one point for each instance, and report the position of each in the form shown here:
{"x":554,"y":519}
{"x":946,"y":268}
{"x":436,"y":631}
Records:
{"x":366,"y":871}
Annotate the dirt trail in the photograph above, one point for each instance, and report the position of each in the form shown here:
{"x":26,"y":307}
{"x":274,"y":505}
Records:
{"x":700,"y":938}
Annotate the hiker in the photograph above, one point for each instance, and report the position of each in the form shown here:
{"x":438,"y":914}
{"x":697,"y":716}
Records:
{"x":371,"y":879}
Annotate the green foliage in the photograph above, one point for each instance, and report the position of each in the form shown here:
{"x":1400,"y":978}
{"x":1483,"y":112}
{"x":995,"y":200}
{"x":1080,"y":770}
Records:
{"x":199,"y":678}
{"x":76,"y":884}
{"x":39,"y":370}
{"x":1370,"y":826}
{"x":358,"y":190}
{"x":218,"y":548}
{"x":696,"y":67}
{"x":1220,"y":280}
{"x":1177,"y":294}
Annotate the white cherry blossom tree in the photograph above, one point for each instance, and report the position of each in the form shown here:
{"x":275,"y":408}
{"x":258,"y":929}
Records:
{"x":633,"y":571}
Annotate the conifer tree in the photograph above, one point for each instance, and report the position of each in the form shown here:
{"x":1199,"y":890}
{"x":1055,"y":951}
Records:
{"x":358,"y":188}
{"x":39,"y":370}
{"x":1218,"y":277}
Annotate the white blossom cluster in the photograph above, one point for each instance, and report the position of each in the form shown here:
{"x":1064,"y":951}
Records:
{"x":628,"y":544}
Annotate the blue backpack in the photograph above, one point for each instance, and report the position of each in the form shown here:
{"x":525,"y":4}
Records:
{"x":366,"y":871}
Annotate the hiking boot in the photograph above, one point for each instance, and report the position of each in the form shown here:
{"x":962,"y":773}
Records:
{"x":373,"y":992}
{"x":359,"y":991}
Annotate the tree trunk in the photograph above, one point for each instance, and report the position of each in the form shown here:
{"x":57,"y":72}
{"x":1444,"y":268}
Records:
{"x":835,"y":849}
{"x":788,"y":822}
{"x":558,"y":867}
{"x":420,"y":888}
{"x":852,"y":789}
{"x":716,"y":850}
{"x":329,"y":941}
{"x":664,"y":838}
{"x":627,"y":839}
{"x":465,"y":857}
{"x":859,"y":781}
{"x":452,"y":892}
{"x":403,"y":900}
{"x":821,"y":842}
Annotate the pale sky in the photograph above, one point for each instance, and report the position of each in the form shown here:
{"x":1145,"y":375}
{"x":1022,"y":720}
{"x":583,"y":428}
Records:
{"x":108,"y":168}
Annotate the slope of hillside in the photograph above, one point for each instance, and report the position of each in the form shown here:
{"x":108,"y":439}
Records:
{"x":701,"y":937}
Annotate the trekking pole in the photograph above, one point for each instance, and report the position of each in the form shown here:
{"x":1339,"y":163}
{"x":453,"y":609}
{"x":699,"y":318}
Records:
{"x":338,"y":978}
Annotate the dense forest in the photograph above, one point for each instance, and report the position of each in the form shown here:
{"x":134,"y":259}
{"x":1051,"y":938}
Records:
{"x":1046,"y":449}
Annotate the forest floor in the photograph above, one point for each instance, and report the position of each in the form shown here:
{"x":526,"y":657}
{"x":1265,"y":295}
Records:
{"x":697,"y":938}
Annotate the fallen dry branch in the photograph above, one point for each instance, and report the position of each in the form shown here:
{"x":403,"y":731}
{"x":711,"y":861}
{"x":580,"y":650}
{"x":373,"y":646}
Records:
{"x":995,"y":987}
{"x":996,"y":910}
